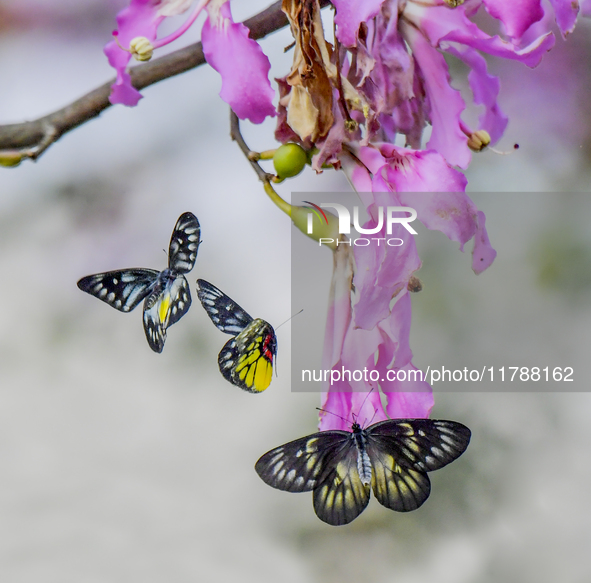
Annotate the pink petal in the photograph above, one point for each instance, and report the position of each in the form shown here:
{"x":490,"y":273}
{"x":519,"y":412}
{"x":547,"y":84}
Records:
{"x":396,"y":339}
{"x":566,"y":14}
{"x":420,"y":170}
{"x":335,"y":414}
{"x":358,"y":355}
{"x":371,"y":158}
{"x":452,"y":213}
{"x":383,"y":271}
{"x":517,"y":15}
{"x":440,"y":24}
{"x":339,"y":307}
{"x":411,"y":399}
{"x":483,"y":254}
{"x":485,"y":89}
{"x":367,"y":408}
{"x":122,"y":91}
{"x":243,"y":66}
{"x":446,"y":104}
{"x":349,"y":16}
{"x":341,"y":410}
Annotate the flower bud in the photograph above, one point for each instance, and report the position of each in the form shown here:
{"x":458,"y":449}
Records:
{"x":141,"y":48}
{"x":289,"y":160}
{"x":316,"y":228}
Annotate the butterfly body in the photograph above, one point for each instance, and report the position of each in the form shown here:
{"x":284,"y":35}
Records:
{"x":247,"y":359}
{"x":165,"y":293}
{"x":391,"y":457}
{"x":363,"y":461}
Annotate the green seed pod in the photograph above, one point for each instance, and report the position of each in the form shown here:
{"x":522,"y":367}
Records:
{"x":10,"y":158}
{"x":289,"y":160}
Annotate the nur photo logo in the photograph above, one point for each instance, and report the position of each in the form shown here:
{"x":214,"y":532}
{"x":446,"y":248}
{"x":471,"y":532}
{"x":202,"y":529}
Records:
{"x":388,"y":216}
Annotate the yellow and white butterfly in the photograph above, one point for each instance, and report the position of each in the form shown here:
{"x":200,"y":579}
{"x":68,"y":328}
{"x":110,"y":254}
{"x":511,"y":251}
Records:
{"x":246,"y":360}
{"x":341,"y":467}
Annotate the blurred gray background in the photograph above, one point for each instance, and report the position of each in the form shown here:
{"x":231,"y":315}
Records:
{"x":117,"y":464}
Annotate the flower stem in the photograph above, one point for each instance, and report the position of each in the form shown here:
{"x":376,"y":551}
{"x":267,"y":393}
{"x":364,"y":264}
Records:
{"x":282,"y":204}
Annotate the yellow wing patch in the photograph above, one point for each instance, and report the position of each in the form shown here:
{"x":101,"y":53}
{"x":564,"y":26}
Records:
{"x":163,"y":308}
{"x":247,"y":360}
{"x":343,"y":496}
{"x":398,"y":488}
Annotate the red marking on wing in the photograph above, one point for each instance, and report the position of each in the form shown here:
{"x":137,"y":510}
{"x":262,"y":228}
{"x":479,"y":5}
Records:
{"x":267,"y":352}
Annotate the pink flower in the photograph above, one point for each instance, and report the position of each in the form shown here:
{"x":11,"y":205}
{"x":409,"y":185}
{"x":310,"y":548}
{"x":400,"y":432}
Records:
{"x":348,"y":348}
{"x":226,"y":46}
{"x":367,"y":332}
{"x":420,"y":89}
{"x":391,"y":76}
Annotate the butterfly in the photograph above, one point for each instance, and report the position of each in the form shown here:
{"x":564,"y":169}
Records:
{"x":247,"y":359}
{"x":340,"y":467}
{"x":166,"y":293}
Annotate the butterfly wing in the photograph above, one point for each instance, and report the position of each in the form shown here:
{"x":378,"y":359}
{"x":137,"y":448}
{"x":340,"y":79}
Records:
{"x":123,"y":289}
{"x":167,"y":304}
{"x":341,"y":496}
{"x":184,"y":244}
{"x":403,"y":450}
{"x":247,"y":360}
{"x":225,"y":313}
{"x":324,"y":462}
{"x":297,"y":465}
{"x":396,"y":487}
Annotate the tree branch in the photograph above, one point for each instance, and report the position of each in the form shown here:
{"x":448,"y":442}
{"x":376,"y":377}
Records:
{"x":34,"y":137}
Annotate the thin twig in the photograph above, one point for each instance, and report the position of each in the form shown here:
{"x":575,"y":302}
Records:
{"x":253,"y":158}
{"x":33,"y":135}
{"x":236,"y":135}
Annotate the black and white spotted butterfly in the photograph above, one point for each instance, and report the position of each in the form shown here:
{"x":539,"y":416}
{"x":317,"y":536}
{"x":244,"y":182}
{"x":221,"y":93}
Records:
{"x":340,"y":467}
{"x":247,"y":359}
{"x":166,"y":293}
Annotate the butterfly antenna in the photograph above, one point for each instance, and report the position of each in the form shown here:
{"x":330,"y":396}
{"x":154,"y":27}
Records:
{"x":331,"y":413}
{"x":290,"y":318}
{"x":375,"y":412}
{"x":363,"y":404}
{"x":286,"y":321}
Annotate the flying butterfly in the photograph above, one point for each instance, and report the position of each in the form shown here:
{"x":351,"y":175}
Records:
{"x":247,"y":359}
{"x":166,"y":293}
{"x":340,"y":467}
